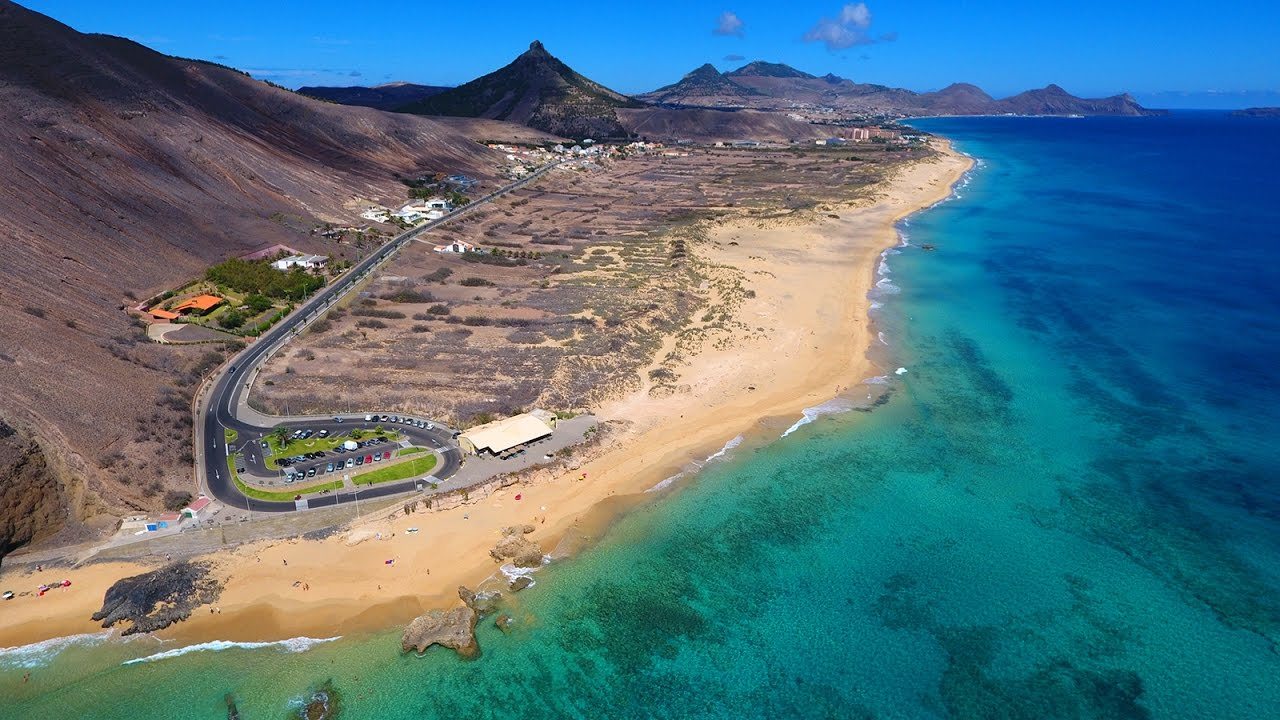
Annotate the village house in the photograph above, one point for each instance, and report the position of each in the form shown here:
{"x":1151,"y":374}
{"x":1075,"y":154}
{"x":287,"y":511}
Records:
{"x":457,"y":246}
{"x":309,"y":262}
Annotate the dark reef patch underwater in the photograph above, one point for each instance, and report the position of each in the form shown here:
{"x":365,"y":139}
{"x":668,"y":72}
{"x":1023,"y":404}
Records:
{"x":1068,"y":507}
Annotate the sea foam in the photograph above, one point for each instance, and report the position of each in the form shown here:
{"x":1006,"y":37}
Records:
{"x":722,"y":452}
{"x":834,"y":406}
{"x":42,"y":653}
{"x":296,"y":645}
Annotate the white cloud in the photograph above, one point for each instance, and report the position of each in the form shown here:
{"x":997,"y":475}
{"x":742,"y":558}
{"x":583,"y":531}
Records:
{"x":845,"y":30}
{"x":729,"y":24}
{"x":858,"y":15}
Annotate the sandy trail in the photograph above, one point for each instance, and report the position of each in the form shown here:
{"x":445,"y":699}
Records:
{"x":809,"y":334}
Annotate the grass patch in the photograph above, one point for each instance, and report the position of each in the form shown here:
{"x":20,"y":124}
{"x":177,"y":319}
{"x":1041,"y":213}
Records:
{"x":230,"y":435}
{"x":399,"y":471}
{"x":276,"y":495}
{"x":414,"y":450}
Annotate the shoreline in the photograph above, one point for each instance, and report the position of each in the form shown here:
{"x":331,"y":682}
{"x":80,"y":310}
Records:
{"x":724,"y":393}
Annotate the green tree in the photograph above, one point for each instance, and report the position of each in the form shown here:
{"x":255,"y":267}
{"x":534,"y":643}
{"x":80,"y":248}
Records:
{"x":281,"y":434}
{"x":258,"y":303}
{"x":231,"y":319}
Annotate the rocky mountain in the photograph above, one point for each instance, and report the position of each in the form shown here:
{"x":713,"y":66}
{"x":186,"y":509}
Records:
{"x":776,"y":86}
{"x":388,"y":96}
{"x":760,"y":68}
{"x":1053,"y":100}
{"x":704,"y":86}
{"x":123,"y":173}
{"x":538,"y":90}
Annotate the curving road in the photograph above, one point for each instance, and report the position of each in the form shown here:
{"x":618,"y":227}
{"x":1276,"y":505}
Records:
{"x":222,"y":406}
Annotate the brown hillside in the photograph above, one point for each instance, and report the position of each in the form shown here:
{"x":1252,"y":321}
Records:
{"x":124,"y":172}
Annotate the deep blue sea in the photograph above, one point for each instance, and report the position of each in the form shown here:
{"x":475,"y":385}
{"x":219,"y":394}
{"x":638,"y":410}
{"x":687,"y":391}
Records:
{"x":1069,"y":507}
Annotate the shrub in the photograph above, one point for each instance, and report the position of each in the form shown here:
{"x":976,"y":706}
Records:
{"x":374,"y":312}
{"x":231,"y":319}
{"x":438,"y":275}
{"x":258,"y":303}
{"x":476,"y":320}
{"x":369,"y":323}
{"x":176,"y":499}
{"x":477,"y":282}
{"x":409,"y":296}
{"x":441,"y":309}
{"x":420,"y":329}
{"x":34,"y":311}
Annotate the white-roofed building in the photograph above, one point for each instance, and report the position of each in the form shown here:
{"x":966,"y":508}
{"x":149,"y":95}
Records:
{"x":500,"y":436}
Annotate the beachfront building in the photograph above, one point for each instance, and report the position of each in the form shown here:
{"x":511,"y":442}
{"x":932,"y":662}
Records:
{"x":198,"y":506}
{"x":309,"y":262}
{"x":501,"y":436}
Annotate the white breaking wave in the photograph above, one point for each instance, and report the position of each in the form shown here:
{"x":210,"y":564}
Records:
{"x":733,"y":443}
{"x":511,"y":572}
{"x":885,"y":285}
{"x":877,"y":380}
{"x":880,"y":337}
{"x":296,"y":645}
{"x":900,"y":371}
{"x":834,"y":406}
{"x":728,"y":446}
{"x":665,"y":483}
{"x":42,"y":653}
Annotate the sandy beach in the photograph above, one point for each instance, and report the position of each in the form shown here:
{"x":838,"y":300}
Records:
{"x":806,"y":337}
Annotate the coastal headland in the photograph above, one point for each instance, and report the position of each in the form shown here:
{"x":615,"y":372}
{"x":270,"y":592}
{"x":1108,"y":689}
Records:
{"x":792,"y":292}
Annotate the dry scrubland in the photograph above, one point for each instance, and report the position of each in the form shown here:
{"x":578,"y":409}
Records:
{"x":604,"y":289}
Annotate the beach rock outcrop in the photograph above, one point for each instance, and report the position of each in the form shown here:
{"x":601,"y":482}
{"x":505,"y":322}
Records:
{"x":323,"y":704}
{"x":520,"y":583}
{"x":503,"y":623}
{"x":454,"y":629}
{"x":514,"y":546}
{"x":157,"y":599}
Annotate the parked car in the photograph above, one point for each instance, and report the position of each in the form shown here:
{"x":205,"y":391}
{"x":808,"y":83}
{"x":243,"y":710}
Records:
{"x":311,"y":472}
{"x":337,"y":419}
{"x":328,"y":467}
{"x":323,"y":433}
{"x":368,"y":458}
{"x":368,"y":418}
{"x":351,"y":462}
{"x":386,"y":454}
{"x":377,"y":457}
{"x":433,"y":427}
{"x":359,"y":460}
{"x":395,"y":418}
{"x":384,"y":418}
{"x":266,"y":445}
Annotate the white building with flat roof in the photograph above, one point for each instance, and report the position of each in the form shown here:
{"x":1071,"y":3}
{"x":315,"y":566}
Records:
{"x":502,"y":435}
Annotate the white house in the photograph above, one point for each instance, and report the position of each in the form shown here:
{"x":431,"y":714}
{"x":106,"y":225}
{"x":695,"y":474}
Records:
{"x":310,"y":262}
{"x":457,"y":246}
{"x":376,"y":214}
{"x":439,"y":204}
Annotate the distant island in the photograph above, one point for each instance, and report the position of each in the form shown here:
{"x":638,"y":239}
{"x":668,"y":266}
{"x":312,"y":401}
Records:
{"x":1257,"y":112}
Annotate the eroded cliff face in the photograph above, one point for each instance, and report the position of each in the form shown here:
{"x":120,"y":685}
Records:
{"x":33,"y":505}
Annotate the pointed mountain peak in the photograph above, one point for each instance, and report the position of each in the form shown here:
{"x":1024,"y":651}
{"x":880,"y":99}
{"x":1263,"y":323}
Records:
{"x":536,"y":49}
{"x":706,"y":70}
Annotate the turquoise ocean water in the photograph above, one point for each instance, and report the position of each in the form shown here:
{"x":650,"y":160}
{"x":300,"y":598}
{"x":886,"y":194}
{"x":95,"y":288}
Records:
{"x":1068,"y":507}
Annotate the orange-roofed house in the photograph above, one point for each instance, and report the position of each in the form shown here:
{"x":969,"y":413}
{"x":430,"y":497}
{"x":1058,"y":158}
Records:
{"x":198,"y":305}
{"x":162,"y":314}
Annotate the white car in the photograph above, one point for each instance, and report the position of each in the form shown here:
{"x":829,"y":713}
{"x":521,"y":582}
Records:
{"x":368,"y":418}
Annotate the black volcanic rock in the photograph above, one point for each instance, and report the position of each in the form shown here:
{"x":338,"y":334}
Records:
{"x":381,"y":97}
{"x":702,"y":87}
{"x":760,"y":68}
{"x":538,"y":90}
{"x":157,"y":599}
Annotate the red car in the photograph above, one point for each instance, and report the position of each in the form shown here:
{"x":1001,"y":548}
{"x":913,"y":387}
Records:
{"x":368,"y":458}
{"x":386,"y":455}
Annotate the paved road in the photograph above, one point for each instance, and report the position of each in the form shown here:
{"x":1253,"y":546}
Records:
{"x":220,"y":407}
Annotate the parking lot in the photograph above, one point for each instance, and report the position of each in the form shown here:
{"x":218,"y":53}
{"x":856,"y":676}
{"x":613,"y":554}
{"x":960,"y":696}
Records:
{"x":316,"y":449}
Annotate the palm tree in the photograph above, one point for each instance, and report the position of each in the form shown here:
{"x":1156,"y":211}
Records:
{"x":281,"y":434}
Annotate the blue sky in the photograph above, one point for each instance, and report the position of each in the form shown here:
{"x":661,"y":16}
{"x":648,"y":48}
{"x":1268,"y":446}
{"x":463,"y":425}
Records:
{"x":1175,"y":53}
